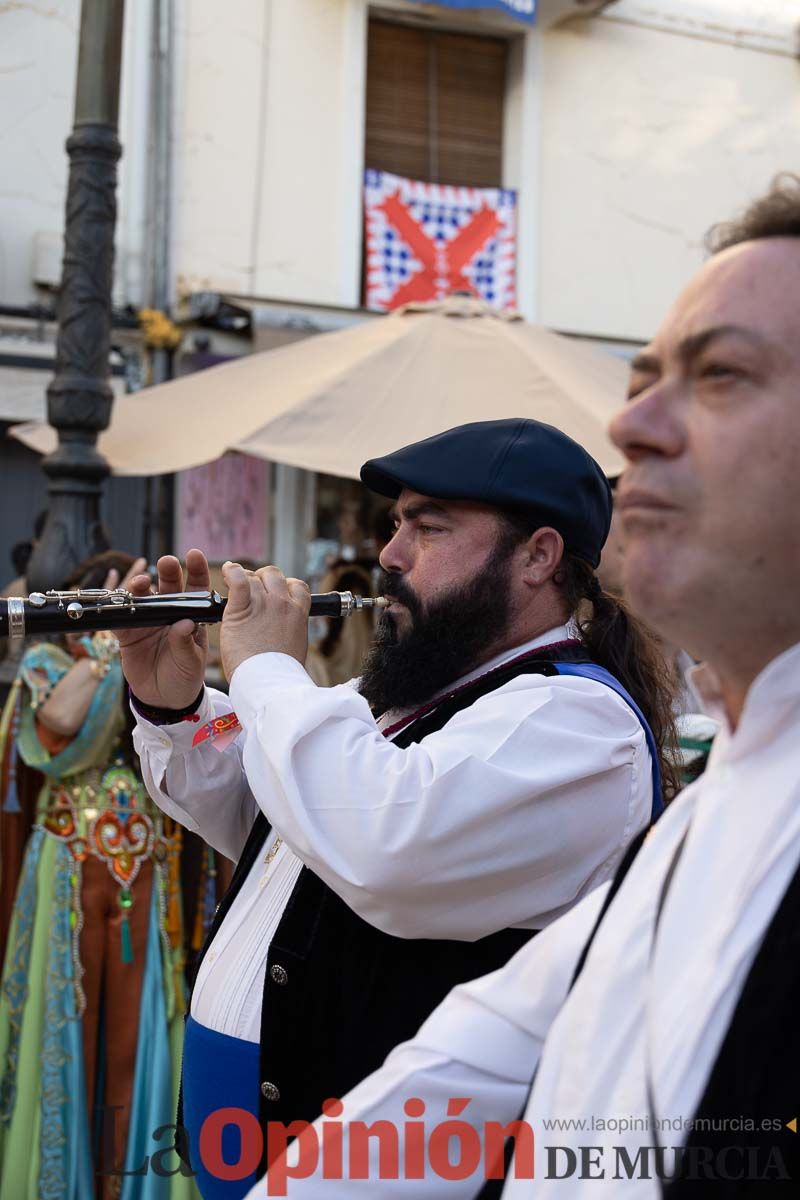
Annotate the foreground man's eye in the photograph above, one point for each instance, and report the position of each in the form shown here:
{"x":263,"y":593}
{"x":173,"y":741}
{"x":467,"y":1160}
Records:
{"x":721,"y":371}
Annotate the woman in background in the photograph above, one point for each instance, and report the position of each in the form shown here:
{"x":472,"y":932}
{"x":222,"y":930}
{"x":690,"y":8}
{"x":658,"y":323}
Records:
{"x":92,"y":994}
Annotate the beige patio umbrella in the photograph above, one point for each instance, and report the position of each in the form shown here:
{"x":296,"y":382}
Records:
{"x":332,"y":401}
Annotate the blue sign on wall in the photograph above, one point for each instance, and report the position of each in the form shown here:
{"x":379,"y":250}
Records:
{"x":522,"y":10}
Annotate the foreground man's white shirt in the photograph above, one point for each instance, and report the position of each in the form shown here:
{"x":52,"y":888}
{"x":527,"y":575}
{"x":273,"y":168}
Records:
{"x":628,"y":1017}
{"x":520,"y":806}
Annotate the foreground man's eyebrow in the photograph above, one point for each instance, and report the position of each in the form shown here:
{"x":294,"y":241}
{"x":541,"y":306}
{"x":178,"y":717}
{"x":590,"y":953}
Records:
{"x":646,"y":363}
{"x":694,"y":345}
{"x":689,"y":348}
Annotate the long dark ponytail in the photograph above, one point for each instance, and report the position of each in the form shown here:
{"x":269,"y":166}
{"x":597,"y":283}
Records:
{"x":622,"y":643}
{"x":630,"y":651}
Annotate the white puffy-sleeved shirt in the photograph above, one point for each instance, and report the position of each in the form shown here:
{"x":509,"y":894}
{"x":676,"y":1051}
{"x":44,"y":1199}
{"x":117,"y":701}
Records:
{"x":509,"y":815}
{"x":646,"y":1006}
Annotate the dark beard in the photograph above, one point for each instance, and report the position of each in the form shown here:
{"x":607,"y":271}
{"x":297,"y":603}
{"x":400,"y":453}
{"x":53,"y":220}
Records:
{"x":447,"y":638}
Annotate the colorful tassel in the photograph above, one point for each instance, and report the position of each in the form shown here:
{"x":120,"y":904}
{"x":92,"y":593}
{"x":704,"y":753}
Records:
{"x":197,"y":931}
{"x":125,"y":903}
{"x":210,"y":897}
{"x":127,"y":944}
{"x":11,"y":801}
{"x":174,"y":915}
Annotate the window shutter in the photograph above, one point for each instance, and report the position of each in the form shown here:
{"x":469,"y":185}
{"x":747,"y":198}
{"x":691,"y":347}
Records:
{"x":435,"y":104}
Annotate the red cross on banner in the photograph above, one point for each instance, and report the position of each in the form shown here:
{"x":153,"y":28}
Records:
{"x":425,"y":241}
{"x":442,"y":265}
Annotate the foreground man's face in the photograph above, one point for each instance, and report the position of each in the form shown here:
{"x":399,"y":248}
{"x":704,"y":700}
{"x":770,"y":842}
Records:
{"x":710,"y":501}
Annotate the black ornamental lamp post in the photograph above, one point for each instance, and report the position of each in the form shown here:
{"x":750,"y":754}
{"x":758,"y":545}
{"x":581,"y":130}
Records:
{"x":79,"y":397}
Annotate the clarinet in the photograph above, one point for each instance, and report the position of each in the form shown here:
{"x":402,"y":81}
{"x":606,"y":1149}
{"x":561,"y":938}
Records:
{"x":91,"y":609}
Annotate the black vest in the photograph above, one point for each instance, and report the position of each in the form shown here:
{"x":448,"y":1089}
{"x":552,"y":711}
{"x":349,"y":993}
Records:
{"x":740,"y":1146}
{"x":339,"y":994}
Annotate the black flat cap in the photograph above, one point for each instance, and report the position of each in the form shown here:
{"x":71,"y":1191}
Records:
{"x":515,"y":463}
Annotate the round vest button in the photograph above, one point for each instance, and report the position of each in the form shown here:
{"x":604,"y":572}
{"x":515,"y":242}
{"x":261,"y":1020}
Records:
{"x":269,"y":1091}
{"x":278,"y":975}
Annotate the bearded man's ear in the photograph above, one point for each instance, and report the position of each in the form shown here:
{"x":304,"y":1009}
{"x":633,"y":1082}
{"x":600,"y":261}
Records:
{"x":543,"y":553}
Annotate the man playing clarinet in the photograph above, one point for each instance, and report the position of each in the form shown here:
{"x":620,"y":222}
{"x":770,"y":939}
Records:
{"x":408,"y":832}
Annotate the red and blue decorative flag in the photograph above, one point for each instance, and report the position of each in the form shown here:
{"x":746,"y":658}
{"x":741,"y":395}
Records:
{"x":427,"y":240}
{"x":523,"y":10}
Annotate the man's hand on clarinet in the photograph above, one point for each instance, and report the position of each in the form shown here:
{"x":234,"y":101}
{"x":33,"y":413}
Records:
{"x":165,"y":666}
{"x":265,"y":612}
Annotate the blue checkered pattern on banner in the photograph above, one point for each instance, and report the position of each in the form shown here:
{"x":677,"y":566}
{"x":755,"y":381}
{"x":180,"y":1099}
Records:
{"x":522,"y":10}
{"x":440,"y":212}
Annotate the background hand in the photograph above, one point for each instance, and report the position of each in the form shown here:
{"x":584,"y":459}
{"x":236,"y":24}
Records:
{"x":112,"y":578}
{"x":137,"y":568}
{"x":165,"y":666}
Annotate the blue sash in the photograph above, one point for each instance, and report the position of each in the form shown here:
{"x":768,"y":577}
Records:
{"x":218,"y":1072}
{"x":601,"y":675}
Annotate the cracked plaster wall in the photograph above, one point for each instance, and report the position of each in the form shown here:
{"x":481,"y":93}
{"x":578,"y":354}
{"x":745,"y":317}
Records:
{"x":268,"y":135}
{"x":770,"y":25}
{"x":218,"y":100}
{"x":38,"y":63}
{"x":648,"y":138}
{"x":268,"y":166}
{"x":38,"y":44}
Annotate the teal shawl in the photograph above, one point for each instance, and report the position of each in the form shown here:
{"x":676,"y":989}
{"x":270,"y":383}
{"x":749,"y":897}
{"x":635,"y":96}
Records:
{"x":41,"y":668}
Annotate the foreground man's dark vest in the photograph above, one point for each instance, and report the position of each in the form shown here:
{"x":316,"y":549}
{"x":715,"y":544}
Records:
{"x":741,"y":1145}
{"x":339,"y":994}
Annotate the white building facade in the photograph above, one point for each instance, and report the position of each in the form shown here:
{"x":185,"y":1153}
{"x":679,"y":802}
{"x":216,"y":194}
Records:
{"x":627,"y":129}
{"x":626,"y":133}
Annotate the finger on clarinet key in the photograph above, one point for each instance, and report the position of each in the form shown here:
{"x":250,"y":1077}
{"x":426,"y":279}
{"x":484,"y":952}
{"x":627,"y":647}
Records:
{"x":170,"y":574}
{"x":238,"y":584}
{"x":272,"y":580}
{"x":299,"y":592}
{"x":198,"y":576}
{"x":140,"y":585}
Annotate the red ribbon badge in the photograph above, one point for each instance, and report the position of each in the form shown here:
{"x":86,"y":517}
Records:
{"x":220,"y":732}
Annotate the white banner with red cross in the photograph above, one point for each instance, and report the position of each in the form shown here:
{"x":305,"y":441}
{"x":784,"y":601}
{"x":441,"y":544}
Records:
{"x":427,"y":240}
